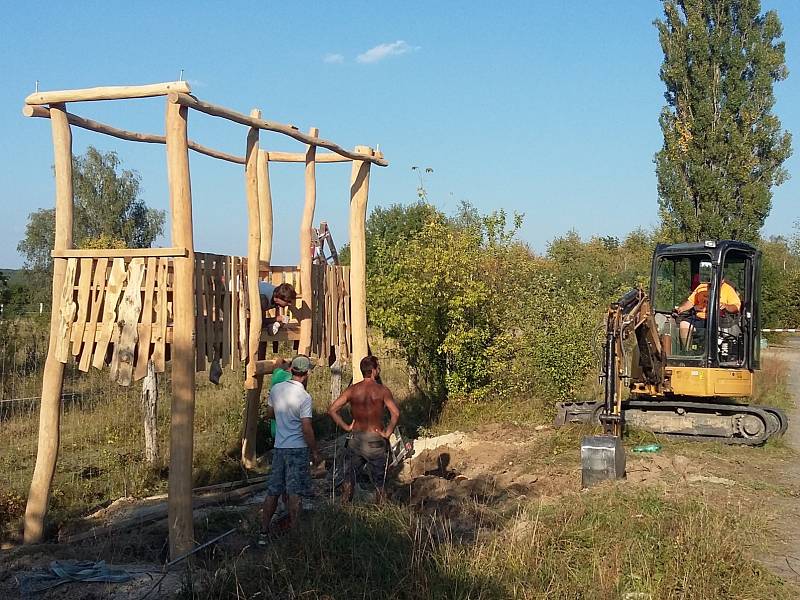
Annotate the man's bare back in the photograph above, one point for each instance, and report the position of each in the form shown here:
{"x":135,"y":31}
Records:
{"x":367,"y":400}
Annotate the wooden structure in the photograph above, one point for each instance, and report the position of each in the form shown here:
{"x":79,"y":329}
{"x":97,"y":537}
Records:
{"x":125,"y":308}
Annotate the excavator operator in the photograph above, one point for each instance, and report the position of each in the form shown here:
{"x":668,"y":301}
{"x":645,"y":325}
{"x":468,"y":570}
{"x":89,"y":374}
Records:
{"x":729,"y":302}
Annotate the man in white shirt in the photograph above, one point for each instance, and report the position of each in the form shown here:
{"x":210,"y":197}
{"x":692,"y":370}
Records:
{"x":290,"y":406}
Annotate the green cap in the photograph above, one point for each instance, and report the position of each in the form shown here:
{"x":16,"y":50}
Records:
{"x":301,"y":363}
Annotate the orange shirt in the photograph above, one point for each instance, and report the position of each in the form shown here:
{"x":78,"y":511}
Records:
{"x":727,"y":295}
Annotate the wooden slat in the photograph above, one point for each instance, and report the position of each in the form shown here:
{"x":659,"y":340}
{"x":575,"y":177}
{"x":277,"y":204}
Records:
{"x":84,"y":281}
{"x":208,"y":301}
{"x":346,"y":281}
{"x":119,"y":253}
{"x":244,"y":302}
{"x":146,"y":325}
{"x":234,"y":314}
{"x":343,"y":353}
{"x":113,"y":289}
{"x":334,"y":291}
{"x":67,"y":310}
{"x":98,"y":285}
{"x":128,"y":325}
{"x":200,"y":324}
{"x":226,"y":313}
{"x":160,"y":332}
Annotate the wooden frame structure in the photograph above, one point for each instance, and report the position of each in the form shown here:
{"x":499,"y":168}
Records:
{"x":132,"y":306}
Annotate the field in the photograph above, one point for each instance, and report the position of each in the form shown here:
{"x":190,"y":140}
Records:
{"x":490,"y":508}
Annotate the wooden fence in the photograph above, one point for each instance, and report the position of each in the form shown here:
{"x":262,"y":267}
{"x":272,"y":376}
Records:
{"x":118,"y":310}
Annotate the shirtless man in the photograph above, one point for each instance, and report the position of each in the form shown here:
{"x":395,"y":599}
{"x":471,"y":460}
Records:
{"x":368,"y":443}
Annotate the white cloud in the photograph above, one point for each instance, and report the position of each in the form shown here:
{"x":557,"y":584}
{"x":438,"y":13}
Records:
{"x":333,"y":59}
{"x":382,"y":51}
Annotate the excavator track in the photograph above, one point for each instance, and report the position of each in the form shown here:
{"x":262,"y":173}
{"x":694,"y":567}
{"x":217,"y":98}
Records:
{"x":727,"y":423}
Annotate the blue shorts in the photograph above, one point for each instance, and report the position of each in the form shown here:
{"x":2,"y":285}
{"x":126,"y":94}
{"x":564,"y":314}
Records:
{"x":290,"y":472}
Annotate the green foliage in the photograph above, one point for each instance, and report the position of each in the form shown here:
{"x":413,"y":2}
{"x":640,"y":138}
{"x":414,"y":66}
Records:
{"x":108,"y":213}
{"x":723,"y":146}
{"x":780,"y":283}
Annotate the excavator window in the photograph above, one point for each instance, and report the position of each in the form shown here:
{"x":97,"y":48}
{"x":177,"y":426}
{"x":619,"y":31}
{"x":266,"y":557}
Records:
{"x":732,"y":332}
{"x":676,"y":278}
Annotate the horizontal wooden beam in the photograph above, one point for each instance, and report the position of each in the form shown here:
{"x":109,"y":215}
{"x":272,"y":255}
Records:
{"x":300,"y":157}
{"x":119,"y":253}
{"x":119,"y":92}
{"x":131,"y":136}
{"x":237,"y":117}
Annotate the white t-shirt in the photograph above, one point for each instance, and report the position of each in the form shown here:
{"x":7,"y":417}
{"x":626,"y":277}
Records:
{"x":290,"y":402}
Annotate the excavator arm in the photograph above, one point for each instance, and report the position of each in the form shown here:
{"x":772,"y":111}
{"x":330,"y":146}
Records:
{"x":630,"y":315}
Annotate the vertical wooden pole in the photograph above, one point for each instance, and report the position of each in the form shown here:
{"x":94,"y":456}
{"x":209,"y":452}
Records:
{"x":359,"y":192}
{"x":264,"y":206}
{"x":306,"y":224}
{"x":252,"y":381}
{"x":53,"y":380}
{"x":181,"y":437}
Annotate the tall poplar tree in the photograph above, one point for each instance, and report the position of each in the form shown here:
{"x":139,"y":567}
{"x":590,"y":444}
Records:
{"x":723,"y":147}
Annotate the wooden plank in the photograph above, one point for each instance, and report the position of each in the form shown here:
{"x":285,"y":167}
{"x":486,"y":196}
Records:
{"x":226,"y":312}
{"x":208,"y":301}
{"x":244,"y":308}
{"x":200,"y":315}
{"x":113,"y":289}
{"x":219,"y":306}
{"x":66,"y":311}
{"x":98,"y":285}
{"x":333,"y":274}
{"x":234,"y":329}
{"x":84,"y":280}
{"x":346,"y":281}
{"x":160,"y":333}
{"x":119,"y":253}
{"x":128,"y":325}
{"x":146,"y":326}
{"x":112,"y":92}
{"x":343,"y":346}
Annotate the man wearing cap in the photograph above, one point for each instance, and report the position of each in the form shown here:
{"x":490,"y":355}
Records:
{"x":368,"y":444}
{"x":290,"y":405}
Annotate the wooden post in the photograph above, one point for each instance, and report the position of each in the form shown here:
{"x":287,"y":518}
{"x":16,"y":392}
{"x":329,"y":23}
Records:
{"x":359,"y":191}
{"x":264,"y":206}
{"x":305,"y":244}
{"x":53,"y":380}
{"x":181,"y":438}
{"x":150,"y":415}
{"x":252,"y":381}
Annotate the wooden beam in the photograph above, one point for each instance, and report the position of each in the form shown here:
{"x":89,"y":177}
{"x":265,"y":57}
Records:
{"x":53,"y":378}
{"x":236,"y":117}
{"x":181,"y":437}
{"x":359,"y":192}
{"x":120,"y":253}
{"x":252,"y":381}
{"x":118,"y":92}
{"x":122,"y":134}
{"x":300,"y":157}
{"x":306,"y":223}
{"x":264,"y":207}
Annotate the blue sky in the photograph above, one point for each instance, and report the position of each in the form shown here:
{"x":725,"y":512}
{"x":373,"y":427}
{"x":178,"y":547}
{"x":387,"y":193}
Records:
{"x":547,"y":108}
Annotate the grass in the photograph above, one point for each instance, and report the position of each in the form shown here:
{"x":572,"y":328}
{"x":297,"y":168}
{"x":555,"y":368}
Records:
{"x":603,"y":544}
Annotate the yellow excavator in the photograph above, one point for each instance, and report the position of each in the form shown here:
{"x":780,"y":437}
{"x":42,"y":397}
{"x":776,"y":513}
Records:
{"x":689,"y":373}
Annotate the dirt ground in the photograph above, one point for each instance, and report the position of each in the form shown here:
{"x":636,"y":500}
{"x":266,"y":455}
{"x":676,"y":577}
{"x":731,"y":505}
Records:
{"x":471,"y":478}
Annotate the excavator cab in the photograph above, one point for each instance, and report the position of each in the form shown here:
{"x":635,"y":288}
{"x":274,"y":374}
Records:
{"x":715,"y":333}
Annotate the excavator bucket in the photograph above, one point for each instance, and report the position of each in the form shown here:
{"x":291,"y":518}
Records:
{"x":578,"y":412}
{"x":602,"y":458}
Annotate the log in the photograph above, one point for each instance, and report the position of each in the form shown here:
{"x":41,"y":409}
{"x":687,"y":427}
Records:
{"x":306,"y":223}
{"x":131,"y":136}
{"x":53,"y":379}
{"x":255,"y":122}
{"x":150,"y":415}
{"x":117,"y":92}
{"x":359,"y":192}
{"x":181,"y":438}
{"x":264,"y":208}
{"x":252,"y":381}
{"x":300,"y":157}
